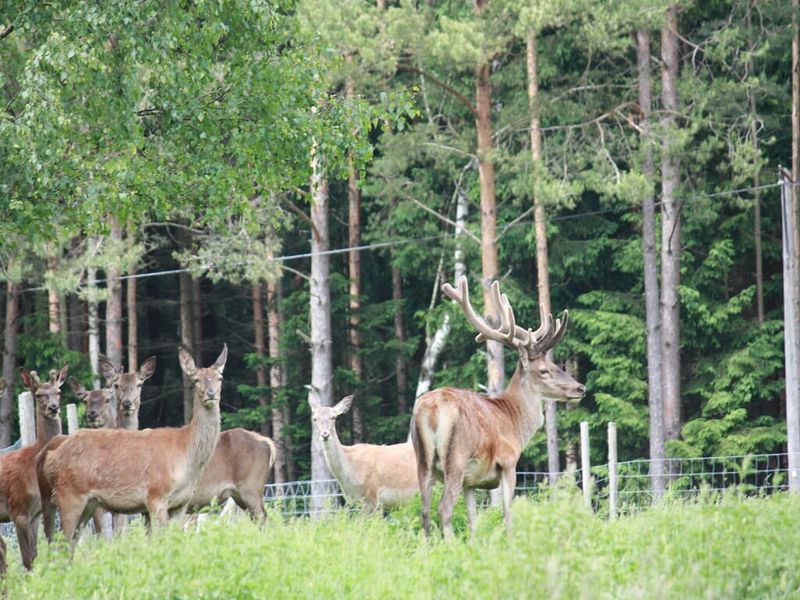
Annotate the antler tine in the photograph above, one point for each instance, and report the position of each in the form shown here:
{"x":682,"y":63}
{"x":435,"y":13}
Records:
{"x":540,"y":339}
{"x":461,"y":297}
{"x":561,"y":327}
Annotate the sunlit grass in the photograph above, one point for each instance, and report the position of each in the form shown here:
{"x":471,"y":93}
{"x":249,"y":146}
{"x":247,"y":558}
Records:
{"x":713,"y":548}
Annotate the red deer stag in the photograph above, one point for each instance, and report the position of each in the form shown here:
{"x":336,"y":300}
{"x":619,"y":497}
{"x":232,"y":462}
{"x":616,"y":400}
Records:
{"x":377,"y":476}
{"x":153,"y":471}
{"x":238,"y":469}
{"x":473,"y":441}
{"x":19,"y":491}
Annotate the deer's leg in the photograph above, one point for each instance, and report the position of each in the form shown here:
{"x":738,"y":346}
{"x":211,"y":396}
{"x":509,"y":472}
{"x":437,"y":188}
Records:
{"x":35,"y":534}
{"x":472,"y":509}
{"x":453,"y":484}
{"x":253,"y":503}
{"x":97,"y":519}
{"x":23,"y":527}
{"x":118,"y":522}
{"x":48,"y":518}
{"x":508,"y":481}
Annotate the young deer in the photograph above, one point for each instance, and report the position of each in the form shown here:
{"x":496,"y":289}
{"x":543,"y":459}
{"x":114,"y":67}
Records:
{"x":238,"y":469}
{"x":19,"y":491}
{"x":153,"y":471}
{"x":473,"y":441}
{"x":377,"y":476}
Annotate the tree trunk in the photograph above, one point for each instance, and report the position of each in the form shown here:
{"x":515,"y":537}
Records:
{"x":260,"y":343}
{"x":354,"y":265}
{"x":489,"y":264}
{"x":320,"y":315}
{"x":9,"y":361}
{"x":197,"y":321}
{"x":53,"y":304}
{"x":400,"y":365}
{"x":187,"y":339}
{"x":133,"y":324}
{"x":435,"y":344}
{"x":540,"y":227}
{"x":275,"y":380}
{"x":670,"y":230}
{"x":651,"y":295}
{"x":114,"y":303}
{"x":283,"y":378}
{"x":92,"y":318}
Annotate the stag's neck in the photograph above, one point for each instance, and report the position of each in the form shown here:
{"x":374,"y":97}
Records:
{"x":335,"y":458}
{"x":128,"y":421}
{"x":203,"y":431}
{"x":527,"y":396}
{"x":47,"y":429}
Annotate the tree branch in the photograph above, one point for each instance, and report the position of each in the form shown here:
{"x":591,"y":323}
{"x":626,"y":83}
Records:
{"x":6,"y":32}
{"x":450,"y":90}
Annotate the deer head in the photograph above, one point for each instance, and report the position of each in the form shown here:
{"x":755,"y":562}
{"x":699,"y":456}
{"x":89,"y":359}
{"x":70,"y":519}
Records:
{"x":208,"y":380}
{"x":100,"y":409}
{"x":535,"y":366}
{"x":324,"y":417}
{"x":127,"y":386}
{"x":47,"y":394}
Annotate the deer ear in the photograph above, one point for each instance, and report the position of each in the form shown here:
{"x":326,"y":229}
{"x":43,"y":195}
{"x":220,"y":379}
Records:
{"x":343,"y":405}
{"x":29,"y":380}
{"x":78,"y":388}
{"x":219,"y":364}
{"x":147,"y":369}
{"x":109,"y":371}
{"x":186,"y":361}
{"x":61,"y":377}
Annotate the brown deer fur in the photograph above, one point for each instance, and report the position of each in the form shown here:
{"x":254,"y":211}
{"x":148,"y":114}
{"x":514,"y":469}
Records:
{"x":473,"y":441}
{"x":20,"y":502}
{"x":238,"y":469}
{"x":153,"y":471}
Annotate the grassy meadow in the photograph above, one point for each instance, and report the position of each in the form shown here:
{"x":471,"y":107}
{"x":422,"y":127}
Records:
{"x":726,"y":547}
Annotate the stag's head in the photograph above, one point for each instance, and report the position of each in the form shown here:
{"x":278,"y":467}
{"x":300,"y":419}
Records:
{"x":208,"y":380}
{"x":324,"y":417}
{"x":46,"y":393}
{"x":535,"y":365}
{"x":127,"y":386}
{"x":100,"y":409}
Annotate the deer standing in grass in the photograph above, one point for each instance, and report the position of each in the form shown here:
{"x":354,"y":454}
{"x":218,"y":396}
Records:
{"x":377,"y":476}
{"x":153,"y":471}
{"x":473,"y":441}
{"x":20,"y":501}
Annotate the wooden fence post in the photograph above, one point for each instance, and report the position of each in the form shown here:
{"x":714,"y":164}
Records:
{"x":612,"y":470}
{"x":72,"y":418}
{"x":586,"y":478}
{"x":27,"y":420}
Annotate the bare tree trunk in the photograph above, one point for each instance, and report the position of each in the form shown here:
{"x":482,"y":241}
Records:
{"x":9,"y":360}
{"x":489,"y":263}
{"x":400,"y":366}
{"x":540,"y":227}
{"x":435,"y":344}
{"x":670,"y":230}
{"x":275,"y":380}
{"x":354,"y":265}
{"x":320,"y":317}
{"x":187,"y":339}
{"x":93,"y":320}
{"x":291,"y":471}
{"x":197,"y":321}
{"x":114,"y":304}
{"x":651,"y":294}
{"x":133,"y":324}
{"x":260,"y":343}
{"x":53,"y":305}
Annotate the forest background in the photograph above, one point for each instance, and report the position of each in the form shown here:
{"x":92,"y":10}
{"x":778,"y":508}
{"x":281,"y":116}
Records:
{"x":168,"y":169}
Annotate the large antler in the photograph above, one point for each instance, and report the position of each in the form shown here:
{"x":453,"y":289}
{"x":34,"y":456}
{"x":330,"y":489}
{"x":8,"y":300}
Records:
{"x":509,"y":333}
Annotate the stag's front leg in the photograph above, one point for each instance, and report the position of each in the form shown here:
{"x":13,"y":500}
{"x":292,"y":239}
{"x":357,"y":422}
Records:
{"x":508,"y":481}
{"x":472,"y":510}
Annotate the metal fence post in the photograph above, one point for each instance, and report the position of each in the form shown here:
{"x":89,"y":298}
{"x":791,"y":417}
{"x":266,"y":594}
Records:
{"x":586,"y":479}
{"x":27,"y":421}
{"x":612,"y":470}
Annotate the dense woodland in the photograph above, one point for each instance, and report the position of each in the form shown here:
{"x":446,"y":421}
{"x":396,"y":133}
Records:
{"x":167,"y":171}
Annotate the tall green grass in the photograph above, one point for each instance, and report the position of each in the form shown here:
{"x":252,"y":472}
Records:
{"x":726,"y":548}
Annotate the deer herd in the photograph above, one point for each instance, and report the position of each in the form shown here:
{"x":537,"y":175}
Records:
{"x":465,"y":439}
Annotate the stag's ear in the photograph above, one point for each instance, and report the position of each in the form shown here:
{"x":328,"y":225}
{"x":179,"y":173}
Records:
{"x":186,"y":360}
{"x":29,"y":379}
{"x":147,"y":369}
{"x":78,"y":388}
{"x":61,"y":376}
{"x":343,"y":405}
{"x":109,"y":370}
{"x":219,"y":364}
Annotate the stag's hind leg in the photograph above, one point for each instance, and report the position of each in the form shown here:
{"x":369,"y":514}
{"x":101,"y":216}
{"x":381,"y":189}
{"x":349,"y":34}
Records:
{"x":424,"y":450}
{"x":472,"y":509}
{"x":24,"y":537}
{"x":453,"y":484}
{"x":508,"y":481}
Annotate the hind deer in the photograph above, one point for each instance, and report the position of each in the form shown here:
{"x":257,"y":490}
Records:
{"x":377,"y":476}
{"x":153,"y":471}
{"x":20,"y":501}
{"x":473,"y":441}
